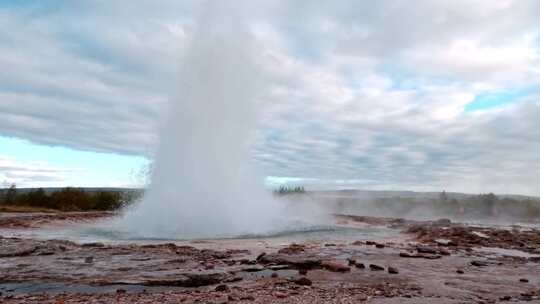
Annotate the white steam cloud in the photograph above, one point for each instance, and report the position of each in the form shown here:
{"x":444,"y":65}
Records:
{"x":202,"y":184}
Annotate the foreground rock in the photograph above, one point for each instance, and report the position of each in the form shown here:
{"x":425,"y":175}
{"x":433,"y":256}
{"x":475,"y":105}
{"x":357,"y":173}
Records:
{"x":457,"y":236}
{"x":434,"y":262}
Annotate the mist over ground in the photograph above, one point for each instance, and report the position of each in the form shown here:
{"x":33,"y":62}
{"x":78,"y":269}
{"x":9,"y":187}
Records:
{"x":460,"y":207}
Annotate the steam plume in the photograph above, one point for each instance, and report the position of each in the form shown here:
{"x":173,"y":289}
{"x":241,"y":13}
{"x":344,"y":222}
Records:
{"x":202,"y":184}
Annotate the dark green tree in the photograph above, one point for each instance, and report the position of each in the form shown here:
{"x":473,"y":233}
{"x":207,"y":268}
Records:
{"x":11,"y":195}
{"x":37,"y":198}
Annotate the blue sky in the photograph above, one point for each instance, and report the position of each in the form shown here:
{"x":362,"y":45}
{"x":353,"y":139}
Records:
{"x":497,"y":99}
{"x":73,"y":167}
{"x":416,"y":95}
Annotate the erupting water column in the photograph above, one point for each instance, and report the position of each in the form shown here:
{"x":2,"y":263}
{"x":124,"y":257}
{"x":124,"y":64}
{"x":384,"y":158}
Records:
{"x":202,"y":184}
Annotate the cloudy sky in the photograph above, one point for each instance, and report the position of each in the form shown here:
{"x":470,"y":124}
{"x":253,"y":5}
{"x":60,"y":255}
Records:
{"x":418,"y":95}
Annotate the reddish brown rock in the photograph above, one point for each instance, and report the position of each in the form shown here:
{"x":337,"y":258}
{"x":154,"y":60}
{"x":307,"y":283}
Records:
{"x":335,"y":266}
{"x":292,"y":249}
{"x":302,"y":281}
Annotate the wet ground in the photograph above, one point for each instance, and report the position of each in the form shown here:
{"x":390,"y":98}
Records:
{"x":361,"y":260}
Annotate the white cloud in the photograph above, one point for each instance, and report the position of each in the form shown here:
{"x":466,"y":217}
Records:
{"x":358,"y":90}
{"x":30,"y":173}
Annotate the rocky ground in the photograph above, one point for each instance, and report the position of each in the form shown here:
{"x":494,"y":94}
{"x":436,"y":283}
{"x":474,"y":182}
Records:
{"x":432,"y":262}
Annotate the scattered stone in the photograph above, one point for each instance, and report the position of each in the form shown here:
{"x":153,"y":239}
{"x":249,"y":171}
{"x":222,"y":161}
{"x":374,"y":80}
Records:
{"x":96,"y":244}
{"x":233,"y":279}
{"x":280,"y":295}
{"x":279,"y":267}
{"x":260,"y":256}
{"x":379,"y":245}
{"x":302,"y":281}
{"x":445,"y":242}
{"x":393,"y":270}
{"x":480,"y":234}
{"x":426,"y":249}
{"x":405,"y":254}
{"x":479,"y":263}
{"x":360,"y":265}
{"x":330,"y":245}
{"x":375,"y":267}
{"x":335,"y":266}
{"x":255,"y":268}
{"x":247,"y":298}
{"x":121,"y":291}
{"x":505,"y":298}
{"x":292,"y":249}
{"x":460,"y":271}
{"x":443,"y":251}
{"x":351,"y":261}
{"x":274,"y":275}
{"x":523,"y":280}
{"x":222,"y":288}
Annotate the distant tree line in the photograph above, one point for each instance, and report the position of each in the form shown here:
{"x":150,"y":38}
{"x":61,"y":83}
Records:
{"x":68,"y":199}
{"x":284,"y":190}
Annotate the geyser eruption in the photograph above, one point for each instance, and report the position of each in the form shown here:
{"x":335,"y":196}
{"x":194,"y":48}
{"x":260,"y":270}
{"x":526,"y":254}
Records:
{"x":202,"y":184}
